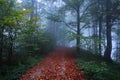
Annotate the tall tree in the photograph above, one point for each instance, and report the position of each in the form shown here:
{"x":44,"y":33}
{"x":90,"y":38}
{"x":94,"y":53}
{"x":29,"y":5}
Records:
{"x":96,"y":13}
{"x":4,"y":12}
{"x":2,"y":3}
{"x":10,"y":22}
{"x":112,"y":14}
{"x":12,"y":19}
{"x":100,"y":22}
{"x":108,"y":50}
{"x":76,"y":6}
{"x":1,"y":44}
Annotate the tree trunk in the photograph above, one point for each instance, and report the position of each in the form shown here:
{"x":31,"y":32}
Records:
{"x":100,"y":33}
{"x":95,"y":36}
{"x":10,"y":50}
{"x":1,"y":54}
{"x":32,"y":7}
{"x":1,"y":46}
{"x":10,"y":53}
{"x":78,"y":30}
{"x":107,"y":54}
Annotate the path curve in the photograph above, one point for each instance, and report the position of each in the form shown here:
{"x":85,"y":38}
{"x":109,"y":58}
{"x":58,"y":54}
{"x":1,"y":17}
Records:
{"x":58,"y":65}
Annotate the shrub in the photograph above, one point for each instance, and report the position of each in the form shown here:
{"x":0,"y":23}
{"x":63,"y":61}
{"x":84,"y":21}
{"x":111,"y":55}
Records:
{"x":93,"y":70}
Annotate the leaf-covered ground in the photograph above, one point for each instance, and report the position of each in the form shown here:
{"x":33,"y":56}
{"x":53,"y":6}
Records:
{"x":58,"y":65}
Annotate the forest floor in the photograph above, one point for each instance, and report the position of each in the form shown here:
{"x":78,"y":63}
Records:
{"x":58,"y":65}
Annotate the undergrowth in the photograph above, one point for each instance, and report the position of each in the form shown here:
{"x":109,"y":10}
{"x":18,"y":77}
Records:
{"x":21,"y":65}
{"x":96,"y":68}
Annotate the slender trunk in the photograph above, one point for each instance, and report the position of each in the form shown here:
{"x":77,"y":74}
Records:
{"x":78,"y":30}
{"x":101,"y":7}
{"x":36,"y":11}
{"x":100,"y":33}
{"x":32,"y":7}
{"x":107,"y":54}
{"x":10,"y":54}
{"x":1,"y":54}
{"x":95,"y":36}
{"x":10,"y":50}
{"x":1,"y":46}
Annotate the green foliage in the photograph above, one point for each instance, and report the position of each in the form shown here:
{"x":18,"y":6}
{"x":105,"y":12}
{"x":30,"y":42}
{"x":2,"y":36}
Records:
{"x":55,"y":18}
{"x":93,"y":70}
{"x":95,"y":67}
{"x":34,"y":41}
{"x":85,"y":41}
{"x":14,"y":72}
{"x":22,"y":39}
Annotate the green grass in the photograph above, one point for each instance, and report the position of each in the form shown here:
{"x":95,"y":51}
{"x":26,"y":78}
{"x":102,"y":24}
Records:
{"x":96,"y":68}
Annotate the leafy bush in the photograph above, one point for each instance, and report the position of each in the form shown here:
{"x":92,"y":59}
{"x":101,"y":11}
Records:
{"x":14,"y":72}
{"x":93,"y":70}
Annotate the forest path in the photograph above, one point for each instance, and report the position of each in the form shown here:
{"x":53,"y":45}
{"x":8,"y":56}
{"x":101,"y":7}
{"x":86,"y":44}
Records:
{"x":58,"y":65}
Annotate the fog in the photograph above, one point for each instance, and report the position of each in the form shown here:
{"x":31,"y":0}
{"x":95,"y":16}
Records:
{"x":59,"y":39}
{"x":62,"y":25}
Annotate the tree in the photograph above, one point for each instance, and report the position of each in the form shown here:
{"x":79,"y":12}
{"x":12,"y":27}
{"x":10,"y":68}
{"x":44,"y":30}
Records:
{"x":6,"y":22}
{"x":112,"y":14}
{"x":11,"y":22}
{"x":108,"y":50}
{"x":2,"y":3}
{"x":96,"y":12}
{"x":76,"y":6}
